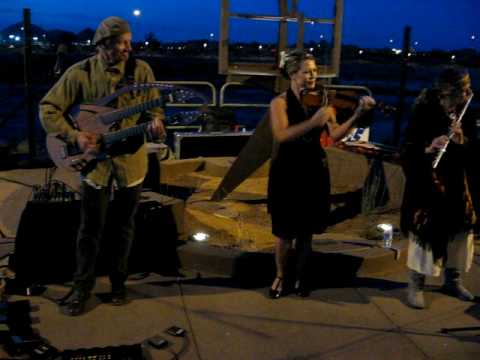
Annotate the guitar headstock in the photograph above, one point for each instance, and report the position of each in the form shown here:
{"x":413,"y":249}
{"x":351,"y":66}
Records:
{"x":173,"y":93}
{"x":183,"y":95}
{"x":185,"y":117}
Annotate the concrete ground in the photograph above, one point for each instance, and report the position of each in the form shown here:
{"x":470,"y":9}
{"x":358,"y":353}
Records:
{"x":365,"y":318}
{"x":346,"y":317}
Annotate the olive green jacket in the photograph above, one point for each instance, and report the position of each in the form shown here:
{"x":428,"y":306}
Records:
{"x":86,"y":82}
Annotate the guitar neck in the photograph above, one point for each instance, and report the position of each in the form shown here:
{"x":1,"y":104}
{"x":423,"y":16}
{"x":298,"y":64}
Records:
{"x":117,"y":115}
{"x":116,"y":136}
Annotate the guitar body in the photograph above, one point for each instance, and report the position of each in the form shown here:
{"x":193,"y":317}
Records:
{"x":86,"y":118}
{"x":89,"y":118}
{"x":67,"y":156}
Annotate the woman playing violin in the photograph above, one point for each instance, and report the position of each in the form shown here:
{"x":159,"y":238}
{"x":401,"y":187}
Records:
{"x":299,"y":185}
{"x":437,"y":211}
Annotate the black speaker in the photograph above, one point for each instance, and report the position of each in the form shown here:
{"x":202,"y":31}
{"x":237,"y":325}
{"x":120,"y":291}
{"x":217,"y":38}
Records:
{"x":45,"y":243}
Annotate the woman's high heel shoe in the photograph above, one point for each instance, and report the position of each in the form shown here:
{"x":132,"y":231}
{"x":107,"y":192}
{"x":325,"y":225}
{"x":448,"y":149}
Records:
{"x":275,"y":292}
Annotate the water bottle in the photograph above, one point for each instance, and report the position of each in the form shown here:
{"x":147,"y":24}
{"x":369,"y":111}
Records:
{"x":477,"y":123}
{"x":387,"y":235}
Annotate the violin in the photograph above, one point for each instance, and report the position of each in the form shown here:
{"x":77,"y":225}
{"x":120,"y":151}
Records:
{"x":344,"y":103}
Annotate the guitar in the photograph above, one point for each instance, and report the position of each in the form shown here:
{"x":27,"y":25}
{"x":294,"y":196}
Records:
{"x":98,"y":118}
{"x":69,"y":156}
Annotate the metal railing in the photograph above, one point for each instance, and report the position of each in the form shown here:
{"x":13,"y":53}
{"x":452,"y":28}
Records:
{"x":223,"y":89}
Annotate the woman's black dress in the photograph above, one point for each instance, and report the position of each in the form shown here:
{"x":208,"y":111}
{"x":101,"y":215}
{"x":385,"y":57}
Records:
{"x":299,"y":181}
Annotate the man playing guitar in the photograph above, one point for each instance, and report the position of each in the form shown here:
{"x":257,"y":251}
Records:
{"x":86,"y":82}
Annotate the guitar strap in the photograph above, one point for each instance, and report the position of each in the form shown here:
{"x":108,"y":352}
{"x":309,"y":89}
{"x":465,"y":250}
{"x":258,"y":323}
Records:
{"x":129,"y":76}
{"x":128,"y":79}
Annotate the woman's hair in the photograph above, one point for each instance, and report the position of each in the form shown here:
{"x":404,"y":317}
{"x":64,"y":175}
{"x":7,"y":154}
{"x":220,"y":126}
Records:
{"x":291,"y":61}
{"x":452,"y":78}
{"x":450,"y":84}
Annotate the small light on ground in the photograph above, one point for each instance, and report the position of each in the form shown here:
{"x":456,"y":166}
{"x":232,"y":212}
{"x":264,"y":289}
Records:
{"x":200,"y":236}
{"x":385,"y":227}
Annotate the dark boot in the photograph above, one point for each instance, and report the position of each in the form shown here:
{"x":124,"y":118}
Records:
{"x":416,"y":284}
{"x":453,"y":285}
{"x":119,"y":295}
{"x":75,"y":305}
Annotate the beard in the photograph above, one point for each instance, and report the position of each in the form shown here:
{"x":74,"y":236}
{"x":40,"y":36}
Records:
{"x":121,"y":56}
{"x":114,"y":56}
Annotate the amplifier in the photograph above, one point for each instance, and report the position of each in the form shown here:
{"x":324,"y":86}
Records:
{"x":46,"y":237}
{"x":123,"y":352}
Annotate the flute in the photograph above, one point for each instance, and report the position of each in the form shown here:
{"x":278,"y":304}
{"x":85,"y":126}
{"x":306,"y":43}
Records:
{"x":443,"y":149}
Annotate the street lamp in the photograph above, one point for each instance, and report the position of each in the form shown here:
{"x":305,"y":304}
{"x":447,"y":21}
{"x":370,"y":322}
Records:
{"x":136,"y":13}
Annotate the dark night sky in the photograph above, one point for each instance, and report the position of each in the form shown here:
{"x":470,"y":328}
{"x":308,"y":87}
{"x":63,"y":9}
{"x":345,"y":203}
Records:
{"x":441,"y":24}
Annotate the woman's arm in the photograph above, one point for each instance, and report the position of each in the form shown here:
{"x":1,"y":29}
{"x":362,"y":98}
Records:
{"x":281,"y":129}
{"x":337,"y":132}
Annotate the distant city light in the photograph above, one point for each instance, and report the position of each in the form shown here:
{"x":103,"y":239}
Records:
{"x":35,"y":38}
{"x":473,"y":37}
{"x":312,"y":23}
{"x":17,"y":38}
{"x":453,"y":57}
{"x":147,"y":43}
{"x":205,"y":45}
{"x":397,"y":51}
{"x":260,"y":47}
{"x":321,"y":36}
{"x":22,"y":28}
{"x":415,"y":43}
{"x":179,"y":48}
{"x":409,"y":54}
{"x":89,"y":41}
{"x":360,"y":52}
{"x":137,"y":12}
{"x":311,"y":49}
{"x":212,"y":35}
{"x":44,"y":35}
{"x":390,"y":41}
{"x":11,"y":36}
